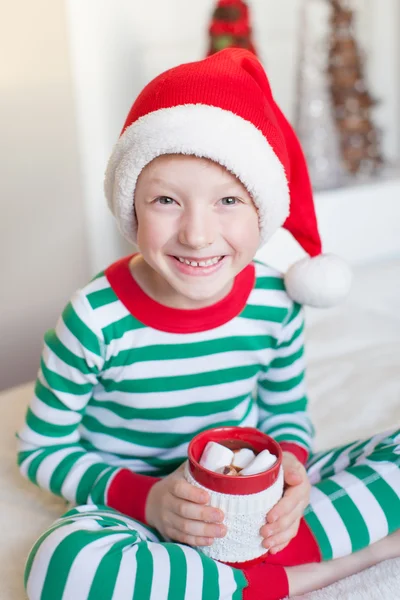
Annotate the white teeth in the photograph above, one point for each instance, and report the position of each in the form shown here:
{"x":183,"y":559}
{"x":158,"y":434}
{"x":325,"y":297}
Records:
{"x":213,"y":261}
{"x":200,"y":263}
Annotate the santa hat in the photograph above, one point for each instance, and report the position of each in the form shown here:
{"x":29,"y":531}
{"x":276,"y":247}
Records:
{"x":221,"y":108}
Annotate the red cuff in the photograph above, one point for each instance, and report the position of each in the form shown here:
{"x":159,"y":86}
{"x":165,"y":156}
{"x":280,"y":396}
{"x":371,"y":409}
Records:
{"x":128,"y":493}
{"x":268,"y":582}
{"x":300,"y":453}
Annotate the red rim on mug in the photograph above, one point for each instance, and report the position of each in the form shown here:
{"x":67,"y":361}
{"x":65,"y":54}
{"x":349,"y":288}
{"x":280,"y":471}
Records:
{"x":234,"y":438}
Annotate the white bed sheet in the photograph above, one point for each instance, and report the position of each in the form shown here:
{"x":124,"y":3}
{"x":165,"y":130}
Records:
{"x":353,"y":355}
{"x":354,"y":387}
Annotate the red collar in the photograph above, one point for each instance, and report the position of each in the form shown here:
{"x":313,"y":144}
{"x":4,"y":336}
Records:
{"x":176,"y":320}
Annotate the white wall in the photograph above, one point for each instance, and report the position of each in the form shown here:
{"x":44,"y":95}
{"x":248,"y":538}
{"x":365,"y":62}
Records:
{"x":43,"y":255}
{"x":117,"y":47}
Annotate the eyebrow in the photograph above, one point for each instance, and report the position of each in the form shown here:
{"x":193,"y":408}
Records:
{"x":163,"y":182}
{"x":228,"y":184}
{"x":160,"y":181}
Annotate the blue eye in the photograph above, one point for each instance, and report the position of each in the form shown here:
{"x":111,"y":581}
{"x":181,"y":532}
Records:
{"x":229,"y":201}
{"x":165,"y":200}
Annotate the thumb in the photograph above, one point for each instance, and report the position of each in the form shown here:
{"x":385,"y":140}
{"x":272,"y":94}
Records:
{"x":293,"y":476}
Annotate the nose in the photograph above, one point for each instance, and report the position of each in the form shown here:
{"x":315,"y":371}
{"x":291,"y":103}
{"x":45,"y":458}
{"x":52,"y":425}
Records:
{"x":197,"y":229}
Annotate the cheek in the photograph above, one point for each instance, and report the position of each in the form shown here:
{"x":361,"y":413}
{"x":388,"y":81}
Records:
{"x":245,"y":232}
{"x":153,"y":230}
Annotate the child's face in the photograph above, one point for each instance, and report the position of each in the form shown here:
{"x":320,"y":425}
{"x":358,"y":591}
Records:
{"x":190,"y":209}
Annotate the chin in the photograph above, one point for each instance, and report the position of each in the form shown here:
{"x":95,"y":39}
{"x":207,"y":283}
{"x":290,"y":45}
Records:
{"x":204,"y":295}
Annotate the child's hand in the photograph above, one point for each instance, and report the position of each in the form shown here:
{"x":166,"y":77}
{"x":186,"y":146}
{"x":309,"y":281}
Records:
{"x":177,"y":510}
{"x":284,"y":519}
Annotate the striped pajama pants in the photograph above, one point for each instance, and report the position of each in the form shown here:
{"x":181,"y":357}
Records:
{"x":96,"y":553}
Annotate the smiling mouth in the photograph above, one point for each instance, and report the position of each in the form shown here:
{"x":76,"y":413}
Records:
{"x":207,"y":262}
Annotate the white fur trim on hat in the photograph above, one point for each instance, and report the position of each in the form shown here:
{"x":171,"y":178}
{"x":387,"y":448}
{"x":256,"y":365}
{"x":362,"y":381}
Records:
{"x":322,"y":281}
{"x":207,"y":132}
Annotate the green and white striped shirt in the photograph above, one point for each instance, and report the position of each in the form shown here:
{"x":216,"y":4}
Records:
{"x":127,"y":382}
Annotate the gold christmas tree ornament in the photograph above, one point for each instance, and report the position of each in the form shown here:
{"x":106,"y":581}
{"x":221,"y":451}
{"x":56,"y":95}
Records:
{"x":352,"y":103}
{"x":334,"y":109}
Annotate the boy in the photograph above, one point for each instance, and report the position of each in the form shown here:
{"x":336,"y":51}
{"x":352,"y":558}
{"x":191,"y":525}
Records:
{"x":188,"y":334}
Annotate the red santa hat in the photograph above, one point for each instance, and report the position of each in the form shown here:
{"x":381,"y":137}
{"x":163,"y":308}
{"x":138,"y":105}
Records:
{"x":221,"y":108}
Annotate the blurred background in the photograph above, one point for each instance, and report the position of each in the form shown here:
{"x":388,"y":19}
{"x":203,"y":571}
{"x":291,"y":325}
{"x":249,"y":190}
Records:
{"x":69,"y":73}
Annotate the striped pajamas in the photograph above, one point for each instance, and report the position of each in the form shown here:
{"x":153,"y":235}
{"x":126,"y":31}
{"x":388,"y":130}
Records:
{"x":95,"y":553}
{"x":355,"y":496}
{"x":124,"y":385}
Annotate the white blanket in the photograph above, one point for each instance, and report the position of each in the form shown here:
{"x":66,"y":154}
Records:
{"x":354,"y":388}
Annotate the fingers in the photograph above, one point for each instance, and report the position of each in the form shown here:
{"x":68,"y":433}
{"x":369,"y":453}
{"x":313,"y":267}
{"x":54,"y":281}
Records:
{"x":188,"y":519}
{"x":185,"y":490}
{"x":293,"y":477}
{"x":190,"y":510}
{"x":189,"y":502}
{"x":284,"y":519}
{"x":286,"y":505}
{"x":293,"y":496}
{"x":294,"y":471}
{"x":277,"y":549}
{"x":271,"y":532}
{"x":279,"y":541}
{"x":190,"y":528}
{"x":178,"y":536}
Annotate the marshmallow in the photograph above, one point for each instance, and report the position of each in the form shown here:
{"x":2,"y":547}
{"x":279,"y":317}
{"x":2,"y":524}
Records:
{"x":262,"y":462}
{"x":242,"y":458}
{"x":215,"y":456}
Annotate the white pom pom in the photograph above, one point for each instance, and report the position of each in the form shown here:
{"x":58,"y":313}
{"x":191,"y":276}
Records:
{"x":321,"y":281}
